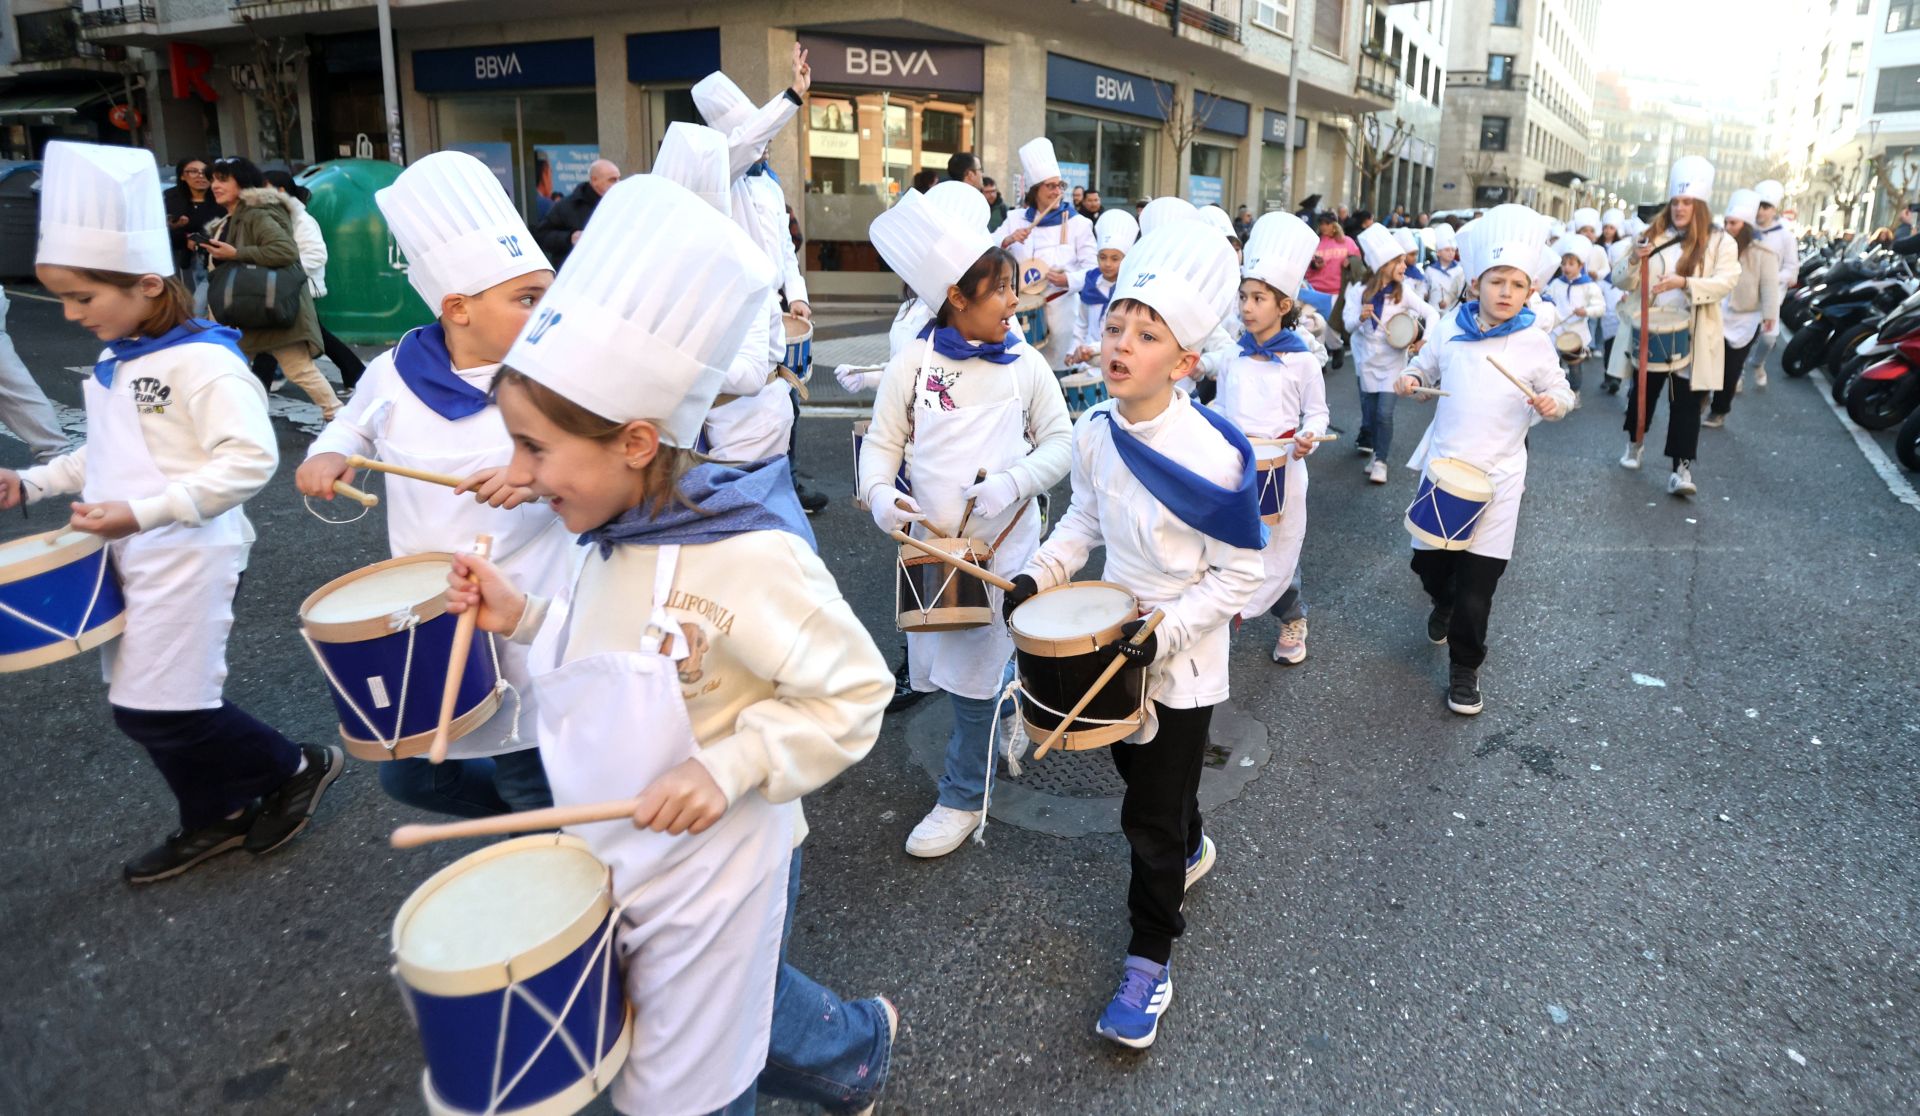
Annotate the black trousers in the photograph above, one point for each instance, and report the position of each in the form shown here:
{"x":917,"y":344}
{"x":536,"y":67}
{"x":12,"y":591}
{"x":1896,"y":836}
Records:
{"x":1683,"y":418}
{"x":338,"y":351}
{"x":1161,"y":817}
{"x":1736,"y":367}
{"x":215,"y":761}
{"x":1464,"y":583}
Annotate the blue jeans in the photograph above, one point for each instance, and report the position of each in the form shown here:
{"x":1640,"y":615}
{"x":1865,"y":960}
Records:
{"x":823,"y":1050}
{"x":469,"y":788}
{"x":963,"y":785}
{"x":1376,"y":421}
{"x":1290,"y":607}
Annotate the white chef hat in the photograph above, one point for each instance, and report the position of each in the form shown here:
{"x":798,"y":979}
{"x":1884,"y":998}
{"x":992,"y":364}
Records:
{"x":1585,"y":218}
{"x":1744,"y":205}
{"x":1444,"y":237}
{"x":1555,"y":227}
{"x":695,"y":156}
{"x":965,"y":204}
{"x":1771,"y":192}
{"x":1187,"y":274}
{"x":1635,"y":226}
{"x":1217,"y":220}
{"x":1407,"y":239}
{"x":1691,"y":177}
{"x":1279,"y":250}
{"x":721,"y":103}
{"x":1615,"y":217}
{"x":100,"y":208}
{"x":927,"y":245}
{"x":459,"y":231}
{"x":1573,"y":244}
{"x":1116,"y":229}
{"x":1038,"y":162}
{"x":652,"y":307}
{"x":1165,"y":211}
{"x":1378,"y":247}
{"x":1507,"y":235}
{"x":1545,"y":267}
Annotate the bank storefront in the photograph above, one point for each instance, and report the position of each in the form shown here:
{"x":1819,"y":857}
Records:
{"x":1274,"y":153}
{"x":1105,"y":125}
{"x":1212,"y":159}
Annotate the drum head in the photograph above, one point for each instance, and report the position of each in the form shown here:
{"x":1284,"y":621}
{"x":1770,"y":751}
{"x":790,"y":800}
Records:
{"x":1028,"y":303}
{"x":1033,"y":278}
{"x":1660,"y":319}
{"x":1402,"y":330}
{"x":1568,"y":343}
{"x":488,"y":908}
{"x":1460,"y":478}
{"x":1073,"y":610}
{"x":379,"y":591}
{"x":1269,"y":457}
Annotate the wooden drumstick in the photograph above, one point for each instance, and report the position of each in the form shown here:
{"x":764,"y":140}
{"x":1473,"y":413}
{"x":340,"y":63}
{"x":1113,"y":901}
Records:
{"x":1100,"y":683}
{"x":526,"y":821}
{"x":968,"y":513}
{"x":1316,"y":439}
{"x":954,"y":560}
{"x":447,"y":479}
{"x":364,"y":499}
{"x":1422,"y":389}
{"x":1515,"y":380}
{"x":457,"y":662}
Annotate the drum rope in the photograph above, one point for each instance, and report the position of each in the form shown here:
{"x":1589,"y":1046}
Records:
{"x":1465,"y":530}
{"x":554,"y":1020}
{"x":1009,"y":693}
{"x":503,"y":687}
{"x":404,"y":619}
{"x":364,"y":509}
{"x":99,"y":582}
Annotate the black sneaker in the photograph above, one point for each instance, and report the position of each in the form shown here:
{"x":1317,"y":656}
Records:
{"x":811,"y":502}
{"x":1438,"y":621}
{"x":183,"y":850}
{"x":1463,"y":690}
{"x":904,"y":695}
{"x":285,"y":812}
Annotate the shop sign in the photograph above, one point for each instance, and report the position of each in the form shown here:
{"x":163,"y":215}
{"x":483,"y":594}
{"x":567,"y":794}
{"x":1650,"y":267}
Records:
{"x":189,"y":64}
{"x":672,"y":56}
{"x":875,"y":63}
{"x":1274,"y":128}
{"x":1077,"y":174}
{"x":1083,"y":83}
{"x":1221,"y":114}
{"x":504,"y":66}
{"x":1205,"y":189}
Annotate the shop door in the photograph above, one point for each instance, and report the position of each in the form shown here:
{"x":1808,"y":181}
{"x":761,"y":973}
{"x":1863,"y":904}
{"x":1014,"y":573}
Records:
{"x":539,"y":143}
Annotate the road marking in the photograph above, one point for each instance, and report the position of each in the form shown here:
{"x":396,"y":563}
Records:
{"x":1891,"y":473}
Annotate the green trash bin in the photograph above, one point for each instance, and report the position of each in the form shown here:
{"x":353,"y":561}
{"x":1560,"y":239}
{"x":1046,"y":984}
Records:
{"x":369,"y":301}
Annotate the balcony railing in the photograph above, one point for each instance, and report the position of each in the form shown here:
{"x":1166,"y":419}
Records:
{"x":1375,"y":76}
{"x":1477,"y":79}
{"x":119,"y":16}
{"x":53,"y":36}
{"x":1215,"y":17}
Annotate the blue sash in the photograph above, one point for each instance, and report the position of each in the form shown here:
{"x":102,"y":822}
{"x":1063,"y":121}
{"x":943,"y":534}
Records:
{"x":1468,"y":319}
{"x":1285,"y":341}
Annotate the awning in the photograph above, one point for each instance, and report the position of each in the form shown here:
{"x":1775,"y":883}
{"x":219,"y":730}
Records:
{"x":49,"y":104}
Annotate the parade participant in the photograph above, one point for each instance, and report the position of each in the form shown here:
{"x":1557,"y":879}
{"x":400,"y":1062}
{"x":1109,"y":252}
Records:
{"x":1329,"y":262}
{"x":24,"y":408}
{"x":959,"y":400}
{"x":423,"y":405}
{"x":1048,"y":230}
{"x":1217,"y":220}
{"x":1577,"y":301}
{"x":1413,"y":279}
{"x":1754,"y":303}
{"x":1114,"y":233}
{"x":752,"y":676}
{"x":1483,"y":421}
{"x":914,"y":314}
{"x":177,"y":439}
{"x":1445,"y":280}
{"x":1275,"y":389}
{"x":1377,"y":364}
{"x":1776,"y":235}
{"x":1693,"y":265}
{"x":1546,"y":316}
{"x":1612,"y":225}
{"x":1165,"y":210}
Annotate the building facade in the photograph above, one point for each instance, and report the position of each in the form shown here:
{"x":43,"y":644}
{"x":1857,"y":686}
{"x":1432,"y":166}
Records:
{"x":1395,"y":151}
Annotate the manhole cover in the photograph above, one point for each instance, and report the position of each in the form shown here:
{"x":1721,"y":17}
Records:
{"x":1087,"y":774}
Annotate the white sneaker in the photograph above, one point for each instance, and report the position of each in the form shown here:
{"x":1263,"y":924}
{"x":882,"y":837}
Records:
{"x":1680,"y":483}
{"x":1200,"y":863}
{"x":1377,"y":472}
{"x":1631,"y":458}
{"x":1760,"y":377}
{"x":1292,"y":647}
{"x":943,"y":830}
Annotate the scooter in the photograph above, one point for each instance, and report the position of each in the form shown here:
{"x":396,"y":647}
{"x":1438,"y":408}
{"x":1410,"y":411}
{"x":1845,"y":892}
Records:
{"x":1885,"y":394}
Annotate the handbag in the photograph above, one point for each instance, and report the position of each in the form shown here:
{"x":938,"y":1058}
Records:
{"x":252,"y":296}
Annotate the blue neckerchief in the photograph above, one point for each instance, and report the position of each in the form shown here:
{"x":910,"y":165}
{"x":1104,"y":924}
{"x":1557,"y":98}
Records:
{"x":728,"y":500}
{"x":194,"y":331}
{"x":1380,"y":302}
{"x":1468,"y":319}
{"x":1584,"y":278}
{"x":1320,"y":302}
{"x":426,"y":368}
{"x":948,"y":343}
{"x":1050,"y":219}
{"x":1231,"y":515}
{"x":1415,"y":274}
{"x":1286,"y":341}
{"x":1443,"y":268}
{"x":1090,"y":292}
{"x":760,"y":168}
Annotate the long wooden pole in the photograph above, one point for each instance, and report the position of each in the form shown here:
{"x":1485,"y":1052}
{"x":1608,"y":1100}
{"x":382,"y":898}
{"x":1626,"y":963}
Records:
{"x":1100,"y":683}
{"x":953,"y":560}
{"x":1640,"y":376}
{"x":457,"y":664}
{"x":526,"y":821}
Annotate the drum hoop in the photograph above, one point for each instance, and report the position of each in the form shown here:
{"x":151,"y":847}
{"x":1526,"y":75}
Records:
{"x":406,"y":747}
{"x":788,"y":321}
{"x":53,"y":556}
{"x":1111,"y":730}
{"x":359,"y":631}
{"x":938,"y":614}
{"x":1066,"y":647}
{"x":86,"y":641}
{"x":1478,"y":474}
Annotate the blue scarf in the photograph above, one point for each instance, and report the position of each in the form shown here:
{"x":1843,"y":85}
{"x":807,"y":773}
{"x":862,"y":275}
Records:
{"x":1090,"y":292}
{"x":1050,"y":219}
{"x":948,"y":343}
{"x":190,"y":332}
{"x":1415,"y":274}
{"x":1468,"y":319}
{"x":1231,"y":515}
{"x":1286,"y":341}
{"x":728,"y":500}
{"x":1320,"y":302}
{"x":425,"y":367}
{"x":1380,"y":302}
{"x":1443,"y":269}
{"x":1584,"y":278}
{"x":760,"y":168}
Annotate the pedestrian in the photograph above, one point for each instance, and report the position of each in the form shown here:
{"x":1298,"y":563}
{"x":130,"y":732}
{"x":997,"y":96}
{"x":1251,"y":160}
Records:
{"x":962,"y":400}
{"x":1309,"y":210}
{"x":258,"y":229}
{"x":1377,"y":363}
{"x":1753,"y":304}
{"x":1079,"y":193}
{"x":1693,"y":266}
{"x":1274,"y":389}
{"x":1773,"y":231}
{"x":1242,"y":224}
{"x":1578,"y":302}
{"x":996,"y":205}
{"x":177,"y":440}
{"x":560,"y":229}
{"x":964,"y":166}
{"x":24,"y":408}
{"x":1905,"y":228}
{"x":925,"y":179}
{"x":1113,"y":237}
{"x":1091,"y":206}
{"x":313,"y":261}
{"x":190,"y":209}
{"x":1048,"y":232}
{"x":1482,"y":421}
{"x":425,"y":405}
{"x":752,"y":676}
{"x":1166,"y":486}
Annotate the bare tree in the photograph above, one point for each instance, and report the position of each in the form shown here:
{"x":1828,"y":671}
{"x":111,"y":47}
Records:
{"x":1184,"y":118}
{"x":1896,"y":176}
{"x":272,"y":83}
{"x":1372,"y":147}
{"x":1842,"y":183}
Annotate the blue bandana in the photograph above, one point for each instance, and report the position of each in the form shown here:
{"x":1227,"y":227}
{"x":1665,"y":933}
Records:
{"x":1050,"y":219}
{"x":760,"y":168}
{"x":1380,"y":302}
{"x":1468,"y":319}
{"x":1231,"y":515}
{"x":1090,"y":292}
{"x":728,"y":500}
{"x":1584,"y":278}
{"x":1443,"y":268}
{"x":1286,"y":341}
{"x":425,"y":367}
{"x":1415,"y":274}
{"x":1320,"y":302}
{"x":948,"y":343}
{"x":194,"y":331}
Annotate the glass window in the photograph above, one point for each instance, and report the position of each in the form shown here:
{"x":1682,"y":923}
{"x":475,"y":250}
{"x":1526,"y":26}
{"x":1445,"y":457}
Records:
{"x":1898,"y":91}
{"x":1210,"y":175}
{"x":1119,"y":157}
{"x":1493,"y":133}
{"x":1274,"y":15}
{"x":1500,"y":71}
{"x":1506,"y":13}
{"x":1856,"y":59}
{"x":862,"y":149}
{"x":1330,"y":22}
{"x":503,"y":131}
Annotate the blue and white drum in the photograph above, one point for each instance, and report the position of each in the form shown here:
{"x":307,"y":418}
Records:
{"x":59,"y":596}
{"x":1031,"y":314}
{"x":383,"y":637}
{"x":506,"y":960}
{"x":1669,"y":336}
{"x":1083,"y":390}
{"x":1448,"y":504}
{"x":860,"y":428}
{"x":799,"y":358}
{"x":1270,"y":472}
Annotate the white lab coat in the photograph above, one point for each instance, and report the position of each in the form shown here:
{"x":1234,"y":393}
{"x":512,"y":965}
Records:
{"x":1377,"y":363}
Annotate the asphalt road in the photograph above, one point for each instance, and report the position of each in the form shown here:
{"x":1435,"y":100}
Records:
{"x":1670,"y":869}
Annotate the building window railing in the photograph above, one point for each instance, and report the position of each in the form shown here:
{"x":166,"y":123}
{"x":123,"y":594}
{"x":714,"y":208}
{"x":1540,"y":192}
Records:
{"x":119,"y":16}
{"x":1215,"y":17}
{"x":53,"y":36}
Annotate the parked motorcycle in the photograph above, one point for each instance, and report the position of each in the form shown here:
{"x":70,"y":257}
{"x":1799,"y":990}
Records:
{"x":1885,"y":394}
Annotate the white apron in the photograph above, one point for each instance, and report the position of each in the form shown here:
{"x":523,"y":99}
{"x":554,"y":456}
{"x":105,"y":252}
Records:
{"x":179,"y":580}
{"x":700,"y":937}
{"x":751,"y":427}
{"x":949,"y":450}
{"x":1053,"y":247}
{"x":1239,"y":397}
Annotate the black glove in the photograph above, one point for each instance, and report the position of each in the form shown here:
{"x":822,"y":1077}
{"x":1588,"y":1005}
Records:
{"x":1024,"y":588}
{"x":1140,"y":655}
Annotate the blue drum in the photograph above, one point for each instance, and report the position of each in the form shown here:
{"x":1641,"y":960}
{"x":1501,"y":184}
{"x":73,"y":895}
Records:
{"x":383,"y":637}
{"x":1669,"y":337}
{"x":59,"y":596}
{"x":1448,"y":504}
{"x":1270,"y":470}
{"x":1031,"y":315}
{"x":860,"y":428}
{"x":799,"y":358}
{"x":506,"y":960}
{"x":1083,"y":390}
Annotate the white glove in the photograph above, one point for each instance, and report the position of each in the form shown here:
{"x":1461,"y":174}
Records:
{"x":856,"y":379}
{"x":994,"y":495}
{"x":887,"y":514}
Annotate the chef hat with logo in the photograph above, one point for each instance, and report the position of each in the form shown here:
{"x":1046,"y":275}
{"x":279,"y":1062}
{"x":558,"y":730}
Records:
{"x":1187,"y":274}
{"x":1691,"y":177}
{"x":1407,"y":239}
{"x":1116,"y":230}
{"x":1279,"y":250}
{"x":100,"y":208}
{"x":695,"y":156}
{"x":652,"y":307}
{"x":928,"y":245}
{"x":1616,"y":218}
{"x":1744,"y":205}
{"x":1378,"y":247}
{"x":460,"y":233}
{"x":1771,"y":192}
{"x":1573,"y":244}
{"x":1164,"y":211}
{"x":721,"y":103}
{"x":1585,"y":218}
{"x":1507,"y":235}
{"x":1038,"y":162}
{"x":1217,"y":220}
{"x":1444,"y":237}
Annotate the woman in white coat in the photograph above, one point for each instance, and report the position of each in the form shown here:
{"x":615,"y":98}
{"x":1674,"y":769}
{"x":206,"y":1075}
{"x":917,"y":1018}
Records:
{"x":1050,"y":233}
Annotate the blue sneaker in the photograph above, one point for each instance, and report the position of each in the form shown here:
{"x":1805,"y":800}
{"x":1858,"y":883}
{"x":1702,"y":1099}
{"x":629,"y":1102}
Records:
{"x":1132,"y":1017}
{"x":1201,"y":862}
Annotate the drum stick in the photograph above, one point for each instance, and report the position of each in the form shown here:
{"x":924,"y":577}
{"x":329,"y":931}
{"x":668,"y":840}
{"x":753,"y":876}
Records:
{"x":457,"y":663}
{"x":1515,"y":380}
{"x":1316,"y":439}
{"x":364,"y":499}
{"x":526,"y":821}
{"x":968,"y":513}
{"x":1099,"y":684}
{"x":955,"y":561}
{"x":1436,"y":392}
{"x":447,"y":479}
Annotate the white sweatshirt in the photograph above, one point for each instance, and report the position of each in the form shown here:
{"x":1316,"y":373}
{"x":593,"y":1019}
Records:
{"x":1377,"y":363}
{"x":313,"y":247}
